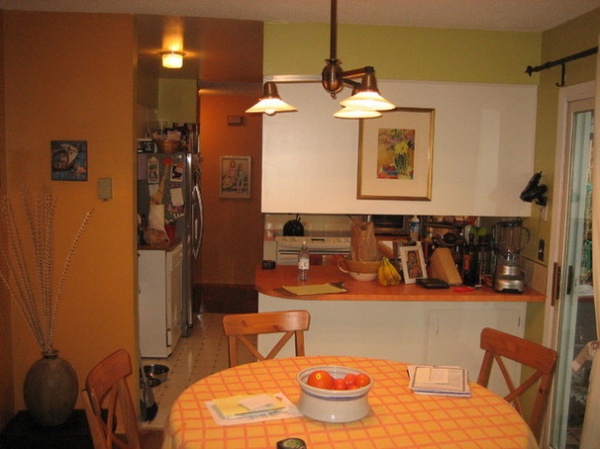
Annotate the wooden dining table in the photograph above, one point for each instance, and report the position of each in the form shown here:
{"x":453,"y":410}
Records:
{"x":398,"y":417}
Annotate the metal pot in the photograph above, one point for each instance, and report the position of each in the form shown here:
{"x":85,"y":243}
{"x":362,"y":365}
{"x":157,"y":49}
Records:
{"x":294,"y":227}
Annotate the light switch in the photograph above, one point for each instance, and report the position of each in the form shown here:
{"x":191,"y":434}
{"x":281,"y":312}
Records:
{"x":105,"y":188}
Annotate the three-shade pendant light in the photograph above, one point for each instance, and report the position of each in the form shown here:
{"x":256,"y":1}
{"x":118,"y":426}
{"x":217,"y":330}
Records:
{"x":365,"y":102}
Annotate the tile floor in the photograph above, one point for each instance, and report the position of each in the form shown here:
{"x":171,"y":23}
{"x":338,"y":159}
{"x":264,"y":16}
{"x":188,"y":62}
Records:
{"x":204,"y":352}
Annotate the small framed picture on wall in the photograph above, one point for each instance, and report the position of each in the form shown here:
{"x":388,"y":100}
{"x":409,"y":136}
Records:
{"x":235,"y":177}
{"x":69,"y":160}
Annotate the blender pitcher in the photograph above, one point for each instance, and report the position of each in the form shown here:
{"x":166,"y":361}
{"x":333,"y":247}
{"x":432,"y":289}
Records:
{"x":510,"y":234}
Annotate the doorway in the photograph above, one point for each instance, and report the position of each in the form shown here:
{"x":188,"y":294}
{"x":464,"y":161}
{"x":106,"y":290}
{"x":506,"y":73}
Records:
{"x":573,"y":320}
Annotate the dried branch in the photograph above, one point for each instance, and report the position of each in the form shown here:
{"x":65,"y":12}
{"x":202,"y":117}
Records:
{"x":40,"y":311}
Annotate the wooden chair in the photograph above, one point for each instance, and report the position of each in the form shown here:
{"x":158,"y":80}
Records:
{"x":498,"y":345}
{"x":290,"y":323}
{"x":106,"y":388}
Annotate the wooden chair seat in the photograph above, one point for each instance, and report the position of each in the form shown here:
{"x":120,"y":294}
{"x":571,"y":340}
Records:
{"x":499,"y":345}
{"x":291,"y":323}
{"x":106,"y":388}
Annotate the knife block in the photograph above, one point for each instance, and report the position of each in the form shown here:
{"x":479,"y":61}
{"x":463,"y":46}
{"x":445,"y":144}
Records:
{"x":442,"y":266}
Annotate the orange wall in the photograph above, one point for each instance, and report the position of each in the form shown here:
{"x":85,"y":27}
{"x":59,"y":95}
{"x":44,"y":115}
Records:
{"x":232,"y":244}
{"x":6,"y":384}
{"x":71,"y":76}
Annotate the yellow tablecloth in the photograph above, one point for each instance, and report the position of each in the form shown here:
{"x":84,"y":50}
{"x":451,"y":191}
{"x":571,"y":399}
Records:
{"x":398,"y":419}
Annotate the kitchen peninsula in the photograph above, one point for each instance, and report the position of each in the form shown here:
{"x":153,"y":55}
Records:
{"x":404,"y":323}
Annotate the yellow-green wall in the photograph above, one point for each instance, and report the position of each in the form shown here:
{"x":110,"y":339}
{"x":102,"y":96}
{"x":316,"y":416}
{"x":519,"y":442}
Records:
{"x":405,"y":53}
{"x":71,"y":76}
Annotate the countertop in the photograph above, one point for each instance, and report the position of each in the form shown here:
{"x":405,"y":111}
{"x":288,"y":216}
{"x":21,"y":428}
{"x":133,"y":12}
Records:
{"x":270,"y":282}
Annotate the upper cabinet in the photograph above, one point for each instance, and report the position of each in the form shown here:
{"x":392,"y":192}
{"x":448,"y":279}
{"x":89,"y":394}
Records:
{"x":483,"y":151}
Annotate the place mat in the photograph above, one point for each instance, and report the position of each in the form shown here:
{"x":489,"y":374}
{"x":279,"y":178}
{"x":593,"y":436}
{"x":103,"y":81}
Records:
{"x":314,"y":289}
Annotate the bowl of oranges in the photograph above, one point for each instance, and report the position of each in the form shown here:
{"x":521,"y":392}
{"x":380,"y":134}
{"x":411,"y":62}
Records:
{"x":334,"y":393}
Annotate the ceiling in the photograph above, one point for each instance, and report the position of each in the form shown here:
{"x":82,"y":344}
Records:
{"x":231,"y":37}
{"x":506,"y":15}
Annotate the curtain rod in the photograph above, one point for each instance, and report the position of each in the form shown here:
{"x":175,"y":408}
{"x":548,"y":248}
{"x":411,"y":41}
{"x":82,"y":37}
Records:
{"x":562,"y":62}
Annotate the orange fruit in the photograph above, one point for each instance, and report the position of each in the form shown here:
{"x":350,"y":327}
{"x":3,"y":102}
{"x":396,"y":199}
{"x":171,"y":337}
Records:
{"x":350,"y":378}
{"x":339,"y":384}
{"x":320,"y":379}
{"x":362,"y":380}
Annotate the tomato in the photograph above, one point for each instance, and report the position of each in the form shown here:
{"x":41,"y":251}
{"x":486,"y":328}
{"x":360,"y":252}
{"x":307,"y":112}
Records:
{"x":362,"y":380}
{"x":352,"y":387}
{"x":339,"y":384}
{"x":350,"y":378}
{"x":320,"y":379}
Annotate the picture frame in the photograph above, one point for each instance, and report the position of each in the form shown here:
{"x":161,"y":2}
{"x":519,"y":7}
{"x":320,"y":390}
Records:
{"x":413,"y":263}
{"x":69,"y":160}
{"x":395,"y":155}
{"x":235,"y":177}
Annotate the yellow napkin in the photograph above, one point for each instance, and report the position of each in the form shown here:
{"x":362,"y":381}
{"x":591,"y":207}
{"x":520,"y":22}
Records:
{"x":315,"y":289}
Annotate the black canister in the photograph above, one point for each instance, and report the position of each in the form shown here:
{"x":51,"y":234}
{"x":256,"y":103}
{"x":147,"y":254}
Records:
{"x":294,"y":443}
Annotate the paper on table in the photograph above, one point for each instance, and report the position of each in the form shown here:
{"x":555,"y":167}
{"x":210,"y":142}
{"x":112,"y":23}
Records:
{"x":242,"y":404}
{"x":288,"y":410}
{"x":439,"y":380}
{"x":314,"y":289}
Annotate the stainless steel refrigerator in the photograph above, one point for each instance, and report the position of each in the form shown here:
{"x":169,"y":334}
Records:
{"x":174,"y":179}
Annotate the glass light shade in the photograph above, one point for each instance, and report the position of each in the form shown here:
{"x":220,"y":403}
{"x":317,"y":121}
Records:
{"x":351,"y":113}
{"x":368,"y":100}
{"x":270,"y":103}
{"x":172,"y":60}
{"x":270,"y":106}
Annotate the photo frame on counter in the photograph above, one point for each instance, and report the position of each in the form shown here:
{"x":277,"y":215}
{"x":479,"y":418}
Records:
{"x":413,"y":263}
{"x":235,"y":177}
{"x":395,"y":155}
{"x":69,"y":160}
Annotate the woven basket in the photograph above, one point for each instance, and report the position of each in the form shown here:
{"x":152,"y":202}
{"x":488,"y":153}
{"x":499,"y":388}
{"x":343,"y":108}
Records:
{"x":168,"y":146}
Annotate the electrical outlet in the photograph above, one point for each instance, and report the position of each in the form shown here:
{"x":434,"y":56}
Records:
{"x":540,"y":252}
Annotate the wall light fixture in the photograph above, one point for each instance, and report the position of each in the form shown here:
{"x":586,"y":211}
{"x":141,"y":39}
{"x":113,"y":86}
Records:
{"x":172,"y":59}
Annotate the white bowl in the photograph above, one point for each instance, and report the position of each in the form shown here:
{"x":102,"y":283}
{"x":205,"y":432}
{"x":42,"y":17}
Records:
{"x":333,"y":405}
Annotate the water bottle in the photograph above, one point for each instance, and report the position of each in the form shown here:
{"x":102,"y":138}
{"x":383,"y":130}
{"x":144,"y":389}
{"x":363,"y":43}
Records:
{"x":303,"y":263}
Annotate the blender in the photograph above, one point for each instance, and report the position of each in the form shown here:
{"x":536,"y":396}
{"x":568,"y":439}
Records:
{"x":508,"y":275}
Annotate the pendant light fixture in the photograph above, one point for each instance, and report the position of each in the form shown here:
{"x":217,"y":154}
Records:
{"x":365,"y":102}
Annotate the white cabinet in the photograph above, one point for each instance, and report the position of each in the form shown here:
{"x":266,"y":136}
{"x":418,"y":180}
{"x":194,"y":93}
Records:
{"x":418,"y":332}
{"x":160,"y":300}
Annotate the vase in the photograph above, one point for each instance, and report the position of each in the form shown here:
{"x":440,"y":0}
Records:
{"x":51,"y":390}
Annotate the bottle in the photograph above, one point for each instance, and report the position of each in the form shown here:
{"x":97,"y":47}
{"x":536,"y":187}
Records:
{"x":470,"y":264}
{"x":414,"y":228}
{"x":303,"y":262}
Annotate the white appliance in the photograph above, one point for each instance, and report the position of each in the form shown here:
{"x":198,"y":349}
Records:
{"x":160,"y":275}
{"x":284,"y":249}
{"x":182,"y":199}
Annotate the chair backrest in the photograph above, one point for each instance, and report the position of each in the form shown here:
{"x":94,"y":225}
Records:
{"x":498,"y":345}
{"x":106,"y":388}
{"x":289,"y":322}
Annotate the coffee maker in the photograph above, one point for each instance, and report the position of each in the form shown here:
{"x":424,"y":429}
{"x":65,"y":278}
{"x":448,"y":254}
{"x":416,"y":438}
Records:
{"x":508,"y":275}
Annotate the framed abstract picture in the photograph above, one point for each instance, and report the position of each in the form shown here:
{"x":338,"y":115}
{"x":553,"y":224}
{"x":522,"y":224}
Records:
{"x":69,"y":160}
{"x":395,"y":155}
{"x":235,"y":177}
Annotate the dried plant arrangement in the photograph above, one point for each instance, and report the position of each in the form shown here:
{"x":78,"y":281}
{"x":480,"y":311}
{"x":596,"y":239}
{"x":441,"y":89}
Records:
{"x":33,"y":287}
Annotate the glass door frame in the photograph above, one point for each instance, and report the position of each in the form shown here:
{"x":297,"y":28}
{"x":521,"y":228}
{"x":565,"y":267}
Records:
{"x":561,"y":233}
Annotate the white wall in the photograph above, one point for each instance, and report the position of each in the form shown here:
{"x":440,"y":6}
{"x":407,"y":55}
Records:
{"x":483,"y":151}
